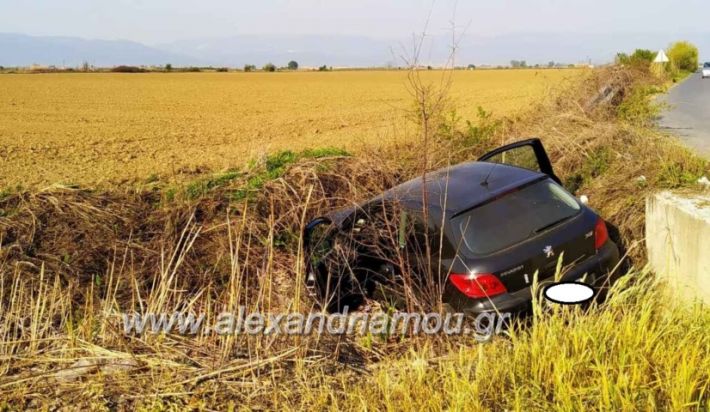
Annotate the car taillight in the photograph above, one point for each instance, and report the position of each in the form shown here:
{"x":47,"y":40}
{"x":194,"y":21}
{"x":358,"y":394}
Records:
{"x":478,"y":285}
{"x":600,"y":234}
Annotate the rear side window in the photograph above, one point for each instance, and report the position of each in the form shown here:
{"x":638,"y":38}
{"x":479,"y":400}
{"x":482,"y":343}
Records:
{"x":706,"y":65}
{"x":515,"y":217}
{"x":523,"y":156}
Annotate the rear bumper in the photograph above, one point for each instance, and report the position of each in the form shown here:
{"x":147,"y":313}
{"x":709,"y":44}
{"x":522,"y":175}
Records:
{"x":598,"y":266}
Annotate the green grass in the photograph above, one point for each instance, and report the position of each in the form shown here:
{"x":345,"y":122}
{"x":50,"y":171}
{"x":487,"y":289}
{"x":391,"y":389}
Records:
{"x":680,"y":76}
{"x":679,"y":168}
{"x":638,"y":108}
{"x":275,"y":166}
{"x":257,"y":174}
{"x":203,"y":186}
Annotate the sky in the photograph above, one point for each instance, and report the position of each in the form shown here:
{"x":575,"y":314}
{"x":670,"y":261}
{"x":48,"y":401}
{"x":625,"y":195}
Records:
{"x":154,"y":22}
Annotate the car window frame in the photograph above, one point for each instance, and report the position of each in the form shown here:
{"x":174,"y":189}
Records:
{"x":543,"y":160}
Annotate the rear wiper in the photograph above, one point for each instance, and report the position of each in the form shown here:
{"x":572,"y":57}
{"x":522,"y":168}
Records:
{"x":556,"y":222}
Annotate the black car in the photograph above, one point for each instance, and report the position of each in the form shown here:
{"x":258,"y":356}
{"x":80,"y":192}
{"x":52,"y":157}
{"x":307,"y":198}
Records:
{"x":474,"y":234}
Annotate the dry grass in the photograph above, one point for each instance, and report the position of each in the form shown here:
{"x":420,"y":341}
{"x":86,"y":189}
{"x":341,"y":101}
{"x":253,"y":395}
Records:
{"x":71,"y":259}
{"x":96,"y":129}
{"x":636,"y":353}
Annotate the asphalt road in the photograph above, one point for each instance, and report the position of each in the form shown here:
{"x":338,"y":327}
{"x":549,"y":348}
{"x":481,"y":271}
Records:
{"x":689,"y":114}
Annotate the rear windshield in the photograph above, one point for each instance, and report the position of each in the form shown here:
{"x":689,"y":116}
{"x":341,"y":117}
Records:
{"x":514,"y":217}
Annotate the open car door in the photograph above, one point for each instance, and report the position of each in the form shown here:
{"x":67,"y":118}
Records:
{"x":529,"y":154}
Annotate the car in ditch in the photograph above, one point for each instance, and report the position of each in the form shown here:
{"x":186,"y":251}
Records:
{"x":476,"y":235}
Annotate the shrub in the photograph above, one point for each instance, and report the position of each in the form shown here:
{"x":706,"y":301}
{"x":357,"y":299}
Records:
{"x":222,"y":69}
{"x":127,"y":69}
{"x":593,"y":166}
{"x":474,"y":136}
{"x":249,"y":67}
{"x":269,"y":67}
{"x":643,"y":55}
{"x":621,"y":58}
{"x":640,"y":58}
{"x":638,"y":108}
{"x":168,"y":67}
{"x":293,"y":65}
{"x":683,"y":56}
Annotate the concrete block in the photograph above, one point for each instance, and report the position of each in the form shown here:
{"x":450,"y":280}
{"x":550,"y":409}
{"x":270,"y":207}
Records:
{"x":678,"y":242}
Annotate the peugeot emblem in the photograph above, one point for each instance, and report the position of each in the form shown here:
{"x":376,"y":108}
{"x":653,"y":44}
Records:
{"x":548,"y":251}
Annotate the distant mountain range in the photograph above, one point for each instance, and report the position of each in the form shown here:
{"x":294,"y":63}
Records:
{"x":336,"y":50}
{"x":23,"y":50}
{"x":308,"y":50}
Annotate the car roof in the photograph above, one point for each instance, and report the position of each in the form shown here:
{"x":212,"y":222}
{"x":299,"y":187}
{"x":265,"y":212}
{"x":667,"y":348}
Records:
{"x":453,"y":189}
